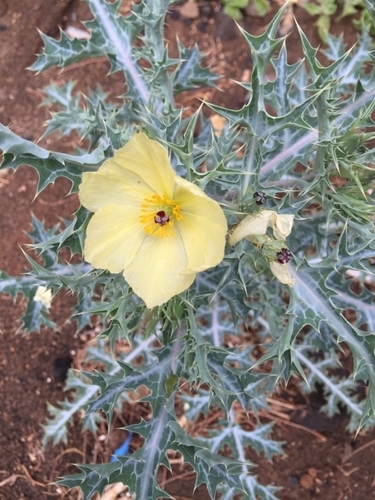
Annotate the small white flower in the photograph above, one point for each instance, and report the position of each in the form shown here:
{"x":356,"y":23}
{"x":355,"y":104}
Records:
{"x":44,"y":296}
{"x":254,"y":228}
{"x":258,"y":223}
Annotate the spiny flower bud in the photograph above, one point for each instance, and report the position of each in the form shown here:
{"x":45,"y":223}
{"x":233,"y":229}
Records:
{"x":284,"y":256}
{"x":260,"y":197}
{"x":278,"y":256}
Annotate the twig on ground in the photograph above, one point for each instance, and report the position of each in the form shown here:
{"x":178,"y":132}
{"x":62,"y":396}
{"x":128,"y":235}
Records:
{"x":363,"y":447}
{"x":68,"y":450}
{"x":348,"y":473}
{"x":280,"y":421}
{"x":13,"y":478}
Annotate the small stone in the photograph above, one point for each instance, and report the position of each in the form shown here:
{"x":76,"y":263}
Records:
{"x":190,"y":10}
{"x":246,"y":75}
{"x":306,"y":481}
{"x":312,"y":472}
{"x":77,"y":33}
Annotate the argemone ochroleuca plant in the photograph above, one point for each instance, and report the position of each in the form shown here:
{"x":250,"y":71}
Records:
{"x":226,"y":261}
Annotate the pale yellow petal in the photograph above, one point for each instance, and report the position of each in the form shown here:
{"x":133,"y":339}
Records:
{"x":281,"y":225}
{"x":254,"y":224}
{"x":193,"y":200}
{"x":282,"y":273}
{"x":113,"y":188}
{"x":146,"y":158}
{"x":113,"y":237}
{"x":203,"y":227}
{"x":155,"y":272}
{"x":204,"y":242}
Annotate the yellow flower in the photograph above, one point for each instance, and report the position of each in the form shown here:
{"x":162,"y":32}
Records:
{"x":256,"y":225}
{"x":156,"y":227}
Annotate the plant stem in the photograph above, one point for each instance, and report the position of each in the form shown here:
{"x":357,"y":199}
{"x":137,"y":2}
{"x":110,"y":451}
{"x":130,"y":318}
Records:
{"x":323,"y":132}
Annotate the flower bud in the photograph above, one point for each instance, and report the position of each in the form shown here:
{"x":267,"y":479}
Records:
{"x":284,"y":256}
{"x":260,"y":197}
{"x":273,"y":250}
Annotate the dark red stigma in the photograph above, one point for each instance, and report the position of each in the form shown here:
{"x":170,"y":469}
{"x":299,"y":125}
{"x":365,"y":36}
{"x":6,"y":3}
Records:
{"x":161,"y":218}
{"x":284,"y":256}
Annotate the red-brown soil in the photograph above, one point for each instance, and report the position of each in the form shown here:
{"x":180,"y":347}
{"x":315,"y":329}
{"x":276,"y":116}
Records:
{"x":321,"y":459}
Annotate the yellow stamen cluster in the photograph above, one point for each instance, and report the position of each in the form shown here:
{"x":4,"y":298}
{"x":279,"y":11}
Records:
{"x":150,"y":208}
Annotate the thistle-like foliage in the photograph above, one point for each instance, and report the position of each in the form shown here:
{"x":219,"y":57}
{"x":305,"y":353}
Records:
{"x":302,"y":147}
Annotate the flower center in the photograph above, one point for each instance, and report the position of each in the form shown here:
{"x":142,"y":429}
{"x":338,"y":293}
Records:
{"x":161,"y":218}
{"x":158,"y":214}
